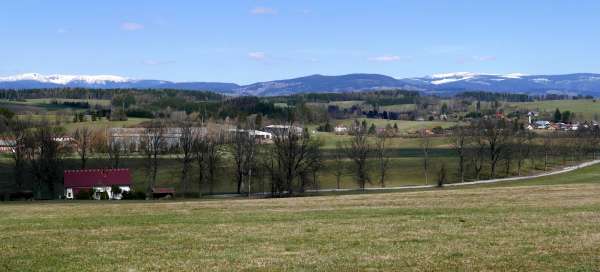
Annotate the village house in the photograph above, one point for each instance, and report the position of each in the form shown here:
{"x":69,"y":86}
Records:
{"x":340,"y":130}
{"x":132,"y":138}
{"x":541,"y":124}
{"x":7,"y":145}
{"x":98,"y":180}
{"x":258,"y":135}
{"x":283,"y":129}
{"x":531,"y":115}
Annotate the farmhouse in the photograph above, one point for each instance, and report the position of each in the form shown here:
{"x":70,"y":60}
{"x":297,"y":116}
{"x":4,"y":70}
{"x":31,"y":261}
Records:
{"x":542,"y":124}
{"x":7,"y":145}
{"x":283,"y":129}
{"x":340,"y":130}
{"x":100,"y":180}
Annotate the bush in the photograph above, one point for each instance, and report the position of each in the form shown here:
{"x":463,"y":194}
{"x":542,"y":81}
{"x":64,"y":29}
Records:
{"x":84,"y":194}
{"x":140,"y":113}
{"x":115,"y":189}
{"x":7,"y":113}
{"x":442,"y":176}
{"x":104,"y":195}
{"x":129,"y":195}
{"x":474,"y":114}
{"x":126,"y":195}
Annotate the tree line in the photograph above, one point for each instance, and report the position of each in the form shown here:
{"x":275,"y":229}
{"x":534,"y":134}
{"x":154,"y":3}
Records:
{"x":291,"y":161}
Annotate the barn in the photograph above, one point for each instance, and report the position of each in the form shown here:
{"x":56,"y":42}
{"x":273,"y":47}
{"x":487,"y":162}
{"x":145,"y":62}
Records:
{"x":100,"y":180}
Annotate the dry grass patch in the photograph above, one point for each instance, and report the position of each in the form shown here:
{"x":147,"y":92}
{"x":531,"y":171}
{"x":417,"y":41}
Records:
{"x":518,"y":228}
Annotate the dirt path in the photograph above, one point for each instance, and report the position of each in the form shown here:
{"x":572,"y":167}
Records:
{"x":413,"y":187}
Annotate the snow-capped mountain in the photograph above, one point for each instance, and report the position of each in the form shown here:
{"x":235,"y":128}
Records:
{"x":35,"y":80}
{"x":582,"y":83}
{"x":65,"y":79}
{"x":443,"y":84}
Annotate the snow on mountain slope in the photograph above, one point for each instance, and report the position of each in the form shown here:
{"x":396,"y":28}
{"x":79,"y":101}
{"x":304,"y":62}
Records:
{"x":442,"y":84}
{"x":66,"y":79}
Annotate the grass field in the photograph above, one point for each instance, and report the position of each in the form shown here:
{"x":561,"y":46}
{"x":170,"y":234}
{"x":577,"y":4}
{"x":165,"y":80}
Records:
{"x":583,"y":108}
{"x":43,"y":105}
{"x":403,"y":126}
{"x":539,"y":228}
{"x":104,"y":123}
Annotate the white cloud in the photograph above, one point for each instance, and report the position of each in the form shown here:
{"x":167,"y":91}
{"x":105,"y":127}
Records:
{"x":484,"y":58}
{"x":257,"y":55}
{"x":263,"y":11}
{"x":131,"y":26}
{"x":62,"y":31}
{"x":157,"y":62}
{"x":386,"y":58}
{"x":464,"y":60}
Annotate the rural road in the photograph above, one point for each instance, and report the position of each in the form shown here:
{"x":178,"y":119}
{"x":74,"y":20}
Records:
{"x":485,"y":181}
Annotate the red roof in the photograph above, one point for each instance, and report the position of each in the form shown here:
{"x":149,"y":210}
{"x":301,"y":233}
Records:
{"x":92,"y":177}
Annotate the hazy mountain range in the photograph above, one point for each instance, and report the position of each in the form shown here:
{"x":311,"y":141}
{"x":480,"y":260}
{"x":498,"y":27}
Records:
{"x":450,"y":83}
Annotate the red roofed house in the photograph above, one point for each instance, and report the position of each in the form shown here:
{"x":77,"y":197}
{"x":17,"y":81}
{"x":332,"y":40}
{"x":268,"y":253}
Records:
{"x":101,"y":180}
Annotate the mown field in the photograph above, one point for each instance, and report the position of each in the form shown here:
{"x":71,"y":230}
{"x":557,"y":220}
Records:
{"x":531,"y":228}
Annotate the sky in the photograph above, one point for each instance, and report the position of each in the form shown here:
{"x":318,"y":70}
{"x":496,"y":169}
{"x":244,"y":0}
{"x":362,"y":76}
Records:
{"x":246,"y":41}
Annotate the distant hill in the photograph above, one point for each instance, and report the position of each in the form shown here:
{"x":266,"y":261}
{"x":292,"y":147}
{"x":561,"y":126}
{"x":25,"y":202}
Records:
{"x":443,"y":84}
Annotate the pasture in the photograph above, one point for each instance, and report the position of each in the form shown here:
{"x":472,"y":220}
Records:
{"x":531,"y":228}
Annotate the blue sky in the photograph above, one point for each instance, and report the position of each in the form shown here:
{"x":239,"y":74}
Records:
{"x":257,"y":40}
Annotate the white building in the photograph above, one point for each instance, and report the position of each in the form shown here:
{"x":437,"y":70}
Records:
{"x":340,"y":129}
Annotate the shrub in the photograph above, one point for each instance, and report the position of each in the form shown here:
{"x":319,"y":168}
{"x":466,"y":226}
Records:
{"x":7,"y":113}
{"x":129,"y":195}
{"x":442,"y":176}
{"x":104,"y":195}
{"x":84,"y":194}
{"x":115,"y":189}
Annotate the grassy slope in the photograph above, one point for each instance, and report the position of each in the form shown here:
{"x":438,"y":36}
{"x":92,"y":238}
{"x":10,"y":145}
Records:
{"x":104,"y":123}
{"x":521,"y":228}
{"x":586,"y":109}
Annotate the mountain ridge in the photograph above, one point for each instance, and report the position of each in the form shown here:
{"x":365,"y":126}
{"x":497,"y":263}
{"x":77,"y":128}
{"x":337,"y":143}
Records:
{"x":446,"y":83}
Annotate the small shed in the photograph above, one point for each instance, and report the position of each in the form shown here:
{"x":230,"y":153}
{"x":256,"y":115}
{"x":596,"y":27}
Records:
{"x":163,"y":192}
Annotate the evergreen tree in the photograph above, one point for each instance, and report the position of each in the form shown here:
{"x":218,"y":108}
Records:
{"x":372,"y":129}
{"x":557,"y":115}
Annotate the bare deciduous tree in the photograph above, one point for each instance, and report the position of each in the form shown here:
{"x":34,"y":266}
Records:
{"x":45,"y":152}
{"x":114,"y":151}
{"x":153,"y":144}
{"x":294,"y":155}
{"x":18,"y":134}
{"x":188,"y":135}
{"x":243,"y":148}
{"x":522,"y":148}
{"x":83,"y":137}
{"x":211,"y":157}
{"x":425,"y":143}
{"x":459,"y":140}
{"x":338,"y":163}
{"x":477,"y":153}
{"x":383,"y":158}
{"x":495,"y":134}
{"x":358,"y":151}
{"x":200,"y":150}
